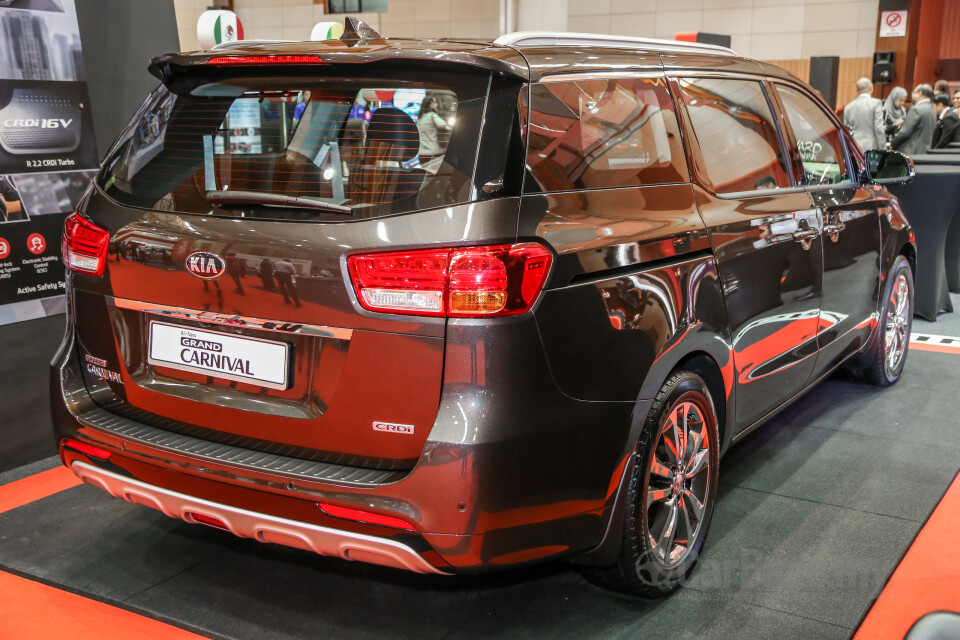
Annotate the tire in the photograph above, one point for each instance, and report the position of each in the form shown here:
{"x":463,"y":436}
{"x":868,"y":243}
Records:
{"x":650,"y":565}
{"x":893,"y":330}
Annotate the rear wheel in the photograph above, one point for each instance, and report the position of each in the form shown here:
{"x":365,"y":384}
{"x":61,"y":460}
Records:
{"x":896,"y":320}
{"x":671,"y":492}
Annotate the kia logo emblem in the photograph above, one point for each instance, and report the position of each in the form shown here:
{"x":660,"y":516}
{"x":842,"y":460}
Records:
{"x":206,"y":265}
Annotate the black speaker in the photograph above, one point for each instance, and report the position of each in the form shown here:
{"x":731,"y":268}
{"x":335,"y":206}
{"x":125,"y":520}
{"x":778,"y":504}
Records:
{"x":824,"y":71}
{"x":883,"y":67}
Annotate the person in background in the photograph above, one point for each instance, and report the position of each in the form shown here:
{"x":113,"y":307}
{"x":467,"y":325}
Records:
{"x":863,"y":117}
{"x":430,"y":124}
{"x":893,"y":110}
{"x":948,"y":125}
{"x":941,"y":86}
{"x":266,"y":274}
{"x":916,"y":134}
{"x":285,"y":274}
{"x":956,"y":101}
{"x":236,"y":268}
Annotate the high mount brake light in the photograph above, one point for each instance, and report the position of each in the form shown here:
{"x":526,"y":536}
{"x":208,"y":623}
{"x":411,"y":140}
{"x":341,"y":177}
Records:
{"x":471,"y":282}
{"x":84,"y":245}
{"x":283,"y":59}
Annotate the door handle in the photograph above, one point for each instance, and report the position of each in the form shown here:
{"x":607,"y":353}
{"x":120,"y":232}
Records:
{"x":833,"y":229}
{"x":806,"y":237}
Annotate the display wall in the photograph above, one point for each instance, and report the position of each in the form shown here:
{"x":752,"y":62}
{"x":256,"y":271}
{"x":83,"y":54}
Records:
{"x":47,"y":150}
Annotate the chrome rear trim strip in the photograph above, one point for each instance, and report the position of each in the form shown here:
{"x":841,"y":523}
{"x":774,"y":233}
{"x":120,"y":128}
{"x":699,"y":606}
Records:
{"x":278,"y":326}
{"x":258,"y":526}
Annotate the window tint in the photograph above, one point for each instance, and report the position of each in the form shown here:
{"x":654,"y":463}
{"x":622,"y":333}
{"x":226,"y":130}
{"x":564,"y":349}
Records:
{"x":737,"y":135}
{"x":817,"y":138}
{"x":611,"y":132}
{"x":362,"y":147}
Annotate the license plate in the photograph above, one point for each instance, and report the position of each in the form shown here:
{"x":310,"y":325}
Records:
{"x":253,"y":360}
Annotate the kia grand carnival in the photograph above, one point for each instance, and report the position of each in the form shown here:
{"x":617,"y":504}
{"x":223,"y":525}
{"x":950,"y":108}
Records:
{"x":455,"y":306}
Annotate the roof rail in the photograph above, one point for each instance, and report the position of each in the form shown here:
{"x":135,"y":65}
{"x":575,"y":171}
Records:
{"x":548,"y":38}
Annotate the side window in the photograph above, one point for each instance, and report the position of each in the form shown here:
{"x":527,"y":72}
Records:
{"x":818,"y":140}
{"x":738,"y":138}
{"x":602,"y":132}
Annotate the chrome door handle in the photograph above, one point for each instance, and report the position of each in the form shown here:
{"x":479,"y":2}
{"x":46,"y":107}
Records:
{"x":833,"y":230}
{"x":806,"y":237}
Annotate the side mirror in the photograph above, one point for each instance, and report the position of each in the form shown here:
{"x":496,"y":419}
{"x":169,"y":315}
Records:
{"x":888,"y":167}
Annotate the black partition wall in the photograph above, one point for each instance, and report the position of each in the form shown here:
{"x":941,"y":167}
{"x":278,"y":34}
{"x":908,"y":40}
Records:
{"x":119,"y":39}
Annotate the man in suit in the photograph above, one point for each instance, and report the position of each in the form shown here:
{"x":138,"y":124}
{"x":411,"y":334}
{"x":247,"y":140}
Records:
{"x":916,"y":134}
{"x":948,"y":124}
{"x":863,"y":117}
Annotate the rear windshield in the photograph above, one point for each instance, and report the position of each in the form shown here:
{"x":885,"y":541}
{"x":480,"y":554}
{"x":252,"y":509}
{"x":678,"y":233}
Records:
{"x":334,"y":148}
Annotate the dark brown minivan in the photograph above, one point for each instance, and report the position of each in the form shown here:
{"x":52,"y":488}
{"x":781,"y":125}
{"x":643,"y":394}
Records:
{"x":454,"y":306}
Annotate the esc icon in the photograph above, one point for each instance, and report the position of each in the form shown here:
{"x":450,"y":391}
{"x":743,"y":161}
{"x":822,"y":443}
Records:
{"x":36,"y":243}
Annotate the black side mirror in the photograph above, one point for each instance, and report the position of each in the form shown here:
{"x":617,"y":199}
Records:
{"x":888,"y":167}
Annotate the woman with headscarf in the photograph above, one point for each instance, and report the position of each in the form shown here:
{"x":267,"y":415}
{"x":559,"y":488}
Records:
{"x":430,"y":125}
{"x":893,"y":109}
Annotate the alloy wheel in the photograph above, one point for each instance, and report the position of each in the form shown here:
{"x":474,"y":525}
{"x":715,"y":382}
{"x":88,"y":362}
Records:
{"x":897,"y":328}
{"x":679,"y":483}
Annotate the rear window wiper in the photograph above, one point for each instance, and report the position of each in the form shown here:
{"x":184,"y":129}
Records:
{"x":232,"y":197}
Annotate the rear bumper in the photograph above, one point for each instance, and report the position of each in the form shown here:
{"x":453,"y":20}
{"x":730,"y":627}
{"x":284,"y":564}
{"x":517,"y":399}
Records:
{"x":259,"y":526}
{"x":504,"y":479}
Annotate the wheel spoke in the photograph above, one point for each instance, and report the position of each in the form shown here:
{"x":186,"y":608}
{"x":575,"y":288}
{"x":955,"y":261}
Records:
{"x":686,"y":433}
{"x":901,"y":294}
{"x":699,"y":463}
{"x":657,"y":495}
{"x":658,"y":468}
{"x":668,"y":442}
{"x":693,"y":503}
{"x":675,"y":432}
{"x":665,"y":542}
{"x":693,"y":450}
{"x":687,"y":527}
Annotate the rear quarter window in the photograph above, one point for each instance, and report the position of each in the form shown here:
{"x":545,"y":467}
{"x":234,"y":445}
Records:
{"x":590,"y":133}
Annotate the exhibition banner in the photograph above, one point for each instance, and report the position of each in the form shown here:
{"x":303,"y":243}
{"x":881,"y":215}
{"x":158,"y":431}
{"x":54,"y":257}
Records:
{"x":47,"y":151}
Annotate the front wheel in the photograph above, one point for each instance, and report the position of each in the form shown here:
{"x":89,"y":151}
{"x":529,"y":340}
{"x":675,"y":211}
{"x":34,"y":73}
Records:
{"x":896,"y":320}
{"x":671,"y":492}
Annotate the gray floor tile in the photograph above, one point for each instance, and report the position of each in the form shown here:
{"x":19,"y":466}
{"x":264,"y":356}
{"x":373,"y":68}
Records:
{"x":891,"y":477}
{"x":812,"y":560}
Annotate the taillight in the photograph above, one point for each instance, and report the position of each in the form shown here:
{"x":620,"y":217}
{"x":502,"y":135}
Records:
{"x":282,"y":59}
{"x":473,"y":282}
{"x":84,"y":245}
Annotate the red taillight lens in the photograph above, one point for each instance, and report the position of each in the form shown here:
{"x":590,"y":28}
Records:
{"x":84,"y":245}
{"x":87,"y":449}
{"x":295,"y":59}
{"x":364,"y":516}
{"x":472,"y":282}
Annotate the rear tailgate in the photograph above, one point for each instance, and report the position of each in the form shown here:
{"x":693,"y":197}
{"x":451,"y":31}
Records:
{"x":234,"y":318}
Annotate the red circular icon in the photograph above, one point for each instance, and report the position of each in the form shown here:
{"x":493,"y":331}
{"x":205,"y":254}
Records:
{"x":893,"y":19}
{"x":4,"y":248}
{"x":36,"y":243}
